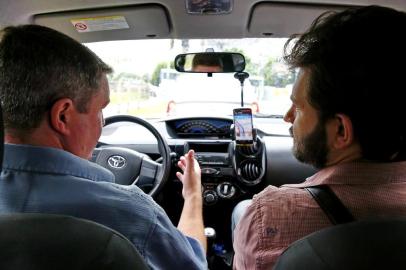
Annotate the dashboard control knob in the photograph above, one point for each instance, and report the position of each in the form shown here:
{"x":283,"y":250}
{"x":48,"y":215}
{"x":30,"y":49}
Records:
{"x":210,"y":232}
{"x":210,"y":197}
{"x":226,"y":190}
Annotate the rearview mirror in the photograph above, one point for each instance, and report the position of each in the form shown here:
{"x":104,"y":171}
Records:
{"x":210,"y":62}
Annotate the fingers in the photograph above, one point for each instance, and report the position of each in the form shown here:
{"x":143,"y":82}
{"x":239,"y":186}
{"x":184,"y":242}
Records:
{"x":182,"y":165}
{"x":191,"y":158}
{"x":179,"y":176}
{"x":187,"y":161}
{"x":191,"y":155}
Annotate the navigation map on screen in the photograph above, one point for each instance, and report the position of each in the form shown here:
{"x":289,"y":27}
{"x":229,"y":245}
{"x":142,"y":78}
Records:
{"x":243,"y":125}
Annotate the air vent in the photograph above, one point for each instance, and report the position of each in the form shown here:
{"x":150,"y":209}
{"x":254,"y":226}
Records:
{"x":250,"y":171}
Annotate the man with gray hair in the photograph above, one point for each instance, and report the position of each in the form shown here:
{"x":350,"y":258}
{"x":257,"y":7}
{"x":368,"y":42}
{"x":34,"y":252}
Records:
{"x":53,"y":90}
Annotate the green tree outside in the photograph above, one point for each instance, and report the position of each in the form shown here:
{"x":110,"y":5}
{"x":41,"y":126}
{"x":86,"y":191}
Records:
{"x":155,"y":77}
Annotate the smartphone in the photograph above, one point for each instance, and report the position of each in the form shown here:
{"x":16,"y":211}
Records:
{"x":243,"y":125}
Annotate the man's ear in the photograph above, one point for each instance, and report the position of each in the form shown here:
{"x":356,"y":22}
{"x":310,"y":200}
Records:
{"x":61,"y":114}
{"x":343,"y":132}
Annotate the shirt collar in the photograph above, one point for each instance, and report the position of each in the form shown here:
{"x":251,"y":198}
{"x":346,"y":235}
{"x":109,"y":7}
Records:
{"x":52,"y":160}
{"x":357,"y":172}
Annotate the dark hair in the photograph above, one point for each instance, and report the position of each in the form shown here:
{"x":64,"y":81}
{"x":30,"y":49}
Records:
{"x":356,"y":60}
{"x":38,"y":66}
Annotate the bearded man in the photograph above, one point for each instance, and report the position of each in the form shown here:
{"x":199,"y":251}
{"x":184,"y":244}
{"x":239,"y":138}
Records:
{"x":347,"y":118}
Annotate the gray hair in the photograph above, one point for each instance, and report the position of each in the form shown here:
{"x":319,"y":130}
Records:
{"x":38,"y":66}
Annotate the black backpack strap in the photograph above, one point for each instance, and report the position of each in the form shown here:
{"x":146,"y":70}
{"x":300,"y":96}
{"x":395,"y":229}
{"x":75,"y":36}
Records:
{"x":330,"y":204}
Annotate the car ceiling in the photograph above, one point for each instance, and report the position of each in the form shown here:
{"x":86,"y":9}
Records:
{"x":169,"y":19}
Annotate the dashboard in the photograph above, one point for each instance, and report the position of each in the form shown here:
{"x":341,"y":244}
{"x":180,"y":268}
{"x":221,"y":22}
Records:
{"x":230,"y":172}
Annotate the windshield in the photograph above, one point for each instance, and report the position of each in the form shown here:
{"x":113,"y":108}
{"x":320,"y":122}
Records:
{"x":145,"y":83}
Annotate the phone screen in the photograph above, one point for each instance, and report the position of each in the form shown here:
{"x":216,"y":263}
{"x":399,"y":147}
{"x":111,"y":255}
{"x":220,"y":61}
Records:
{"x":243,"y":125}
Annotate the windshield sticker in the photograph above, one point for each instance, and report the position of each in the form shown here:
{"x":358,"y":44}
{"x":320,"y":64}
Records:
{"x":99,"y":24}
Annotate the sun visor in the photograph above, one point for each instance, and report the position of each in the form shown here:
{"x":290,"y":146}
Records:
{"x":130,"y":22}
{"x":282,"y":20}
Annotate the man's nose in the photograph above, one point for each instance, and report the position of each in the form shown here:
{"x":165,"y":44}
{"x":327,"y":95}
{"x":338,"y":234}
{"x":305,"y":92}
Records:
{"x":289,"y":116}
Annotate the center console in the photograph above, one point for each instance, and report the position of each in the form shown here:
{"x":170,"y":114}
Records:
{"x":228,"y":170}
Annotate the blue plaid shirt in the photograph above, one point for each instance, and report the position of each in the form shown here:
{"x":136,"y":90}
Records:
{"x":49,"y":180}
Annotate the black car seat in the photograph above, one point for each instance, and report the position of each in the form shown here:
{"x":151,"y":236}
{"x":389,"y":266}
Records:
{"x":43,"y":241}
{"x":374,"y":244}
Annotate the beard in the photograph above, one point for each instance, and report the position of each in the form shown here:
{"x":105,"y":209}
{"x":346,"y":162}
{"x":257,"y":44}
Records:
{"x":312,"y":149}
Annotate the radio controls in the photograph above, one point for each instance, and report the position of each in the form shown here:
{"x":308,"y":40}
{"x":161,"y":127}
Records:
{"x":210,"y":197}
{"x":209,"y":171}
{"x":226,"y":190}
{"x":219,"y":159}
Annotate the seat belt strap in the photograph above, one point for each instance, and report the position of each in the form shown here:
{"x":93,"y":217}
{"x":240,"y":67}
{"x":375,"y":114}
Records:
{"x":330,"y":204}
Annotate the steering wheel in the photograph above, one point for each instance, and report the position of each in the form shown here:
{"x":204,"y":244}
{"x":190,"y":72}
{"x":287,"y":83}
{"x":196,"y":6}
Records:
{"x":134,"y":168}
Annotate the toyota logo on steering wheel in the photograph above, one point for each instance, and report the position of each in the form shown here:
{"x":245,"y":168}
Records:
{"x":116,"y":162}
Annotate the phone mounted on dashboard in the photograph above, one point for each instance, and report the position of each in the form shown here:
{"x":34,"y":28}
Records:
{"x":242,"y":128}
